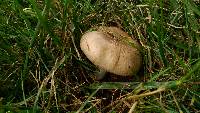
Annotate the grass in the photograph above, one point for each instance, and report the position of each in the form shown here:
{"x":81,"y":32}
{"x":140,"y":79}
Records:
{"x":43,"y":69}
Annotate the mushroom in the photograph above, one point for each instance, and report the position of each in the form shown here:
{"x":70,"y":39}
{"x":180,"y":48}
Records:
{"x":112,"y":50}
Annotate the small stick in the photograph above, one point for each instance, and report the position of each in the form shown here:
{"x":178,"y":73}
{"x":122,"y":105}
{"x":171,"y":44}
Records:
{"x":133,"y":107}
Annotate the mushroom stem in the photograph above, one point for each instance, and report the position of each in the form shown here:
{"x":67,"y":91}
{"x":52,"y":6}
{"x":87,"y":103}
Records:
{"x":100,"y":74}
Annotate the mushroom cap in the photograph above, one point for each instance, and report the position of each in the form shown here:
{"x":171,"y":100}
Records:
{"x":112,"y":50}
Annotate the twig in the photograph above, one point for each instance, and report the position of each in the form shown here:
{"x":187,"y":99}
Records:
{"x":180,"y":111}
{"x":146,"y":94}
{"x":44,"y":82}
{"x":177,"y":27}
{"x":135,"y":97}
{"x":133,"y":107}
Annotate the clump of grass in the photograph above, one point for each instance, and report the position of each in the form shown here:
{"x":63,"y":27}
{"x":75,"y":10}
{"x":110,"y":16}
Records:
{"x":43,"y":70}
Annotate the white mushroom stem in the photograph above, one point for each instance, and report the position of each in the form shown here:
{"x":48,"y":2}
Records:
{"x":100,"y":74}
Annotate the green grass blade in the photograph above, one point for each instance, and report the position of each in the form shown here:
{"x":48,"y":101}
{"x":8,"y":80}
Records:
{"x":88,"y":99}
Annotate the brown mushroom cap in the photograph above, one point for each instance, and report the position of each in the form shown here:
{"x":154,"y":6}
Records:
{"x":112,"y":50}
